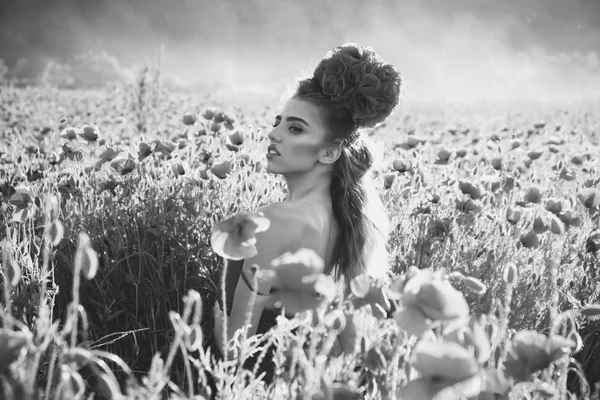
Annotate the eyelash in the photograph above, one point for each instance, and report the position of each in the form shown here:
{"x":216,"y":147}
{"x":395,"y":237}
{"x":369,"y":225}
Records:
{"x":298,"y":130}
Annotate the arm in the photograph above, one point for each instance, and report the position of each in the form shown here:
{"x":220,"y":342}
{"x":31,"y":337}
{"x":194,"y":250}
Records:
{"x":288,"y":231}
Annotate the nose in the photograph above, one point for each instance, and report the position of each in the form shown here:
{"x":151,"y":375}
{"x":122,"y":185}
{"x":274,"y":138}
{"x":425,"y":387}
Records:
{"x":272,"y":135}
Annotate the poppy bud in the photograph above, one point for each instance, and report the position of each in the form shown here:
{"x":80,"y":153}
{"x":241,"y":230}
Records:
{"x":474,"y":285}
{"x":592,"y":310}
{"x":62,"y":124}
{"x":12,"y":270}
{"x":56,"y":232}
{"x":86,"y":257}
{"x":510,"y":273}
{"x":461,"y":152}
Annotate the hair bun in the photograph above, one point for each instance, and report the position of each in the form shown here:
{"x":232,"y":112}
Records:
{"x":357,"y":77}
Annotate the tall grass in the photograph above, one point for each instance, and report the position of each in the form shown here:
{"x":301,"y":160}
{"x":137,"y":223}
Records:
{"x":148,"y":206}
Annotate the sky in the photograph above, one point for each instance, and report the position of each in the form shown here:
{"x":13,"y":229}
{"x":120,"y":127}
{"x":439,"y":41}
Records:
{"x":446,"y":50}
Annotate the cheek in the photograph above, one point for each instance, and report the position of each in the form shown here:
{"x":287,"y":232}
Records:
{"x":306,"y":149}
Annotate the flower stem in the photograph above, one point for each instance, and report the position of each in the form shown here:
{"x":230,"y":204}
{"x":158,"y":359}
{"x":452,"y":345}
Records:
{"x":224,"y":302}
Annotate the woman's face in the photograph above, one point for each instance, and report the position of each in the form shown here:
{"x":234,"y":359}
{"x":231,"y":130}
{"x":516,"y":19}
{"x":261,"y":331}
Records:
{"x":297,"y":139}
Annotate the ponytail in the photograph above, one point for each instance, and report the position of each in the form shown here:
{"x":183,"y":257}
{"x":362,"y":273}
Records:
{"x":362,"y":239}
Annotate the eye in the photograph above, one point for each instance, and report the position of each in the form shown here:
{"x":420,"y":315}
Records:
{"x":295,"y":129}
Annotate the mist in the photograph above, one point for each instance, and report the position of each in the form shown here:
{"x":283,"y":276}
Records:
{"x":461,"y":51}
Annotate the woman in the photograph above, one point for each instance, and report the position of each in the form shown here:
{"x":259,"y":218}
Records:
{"x":331,"y":206}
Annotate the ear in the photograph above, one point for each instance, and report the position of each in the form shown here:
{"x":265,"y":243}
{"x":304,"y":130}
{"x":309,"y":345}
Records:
{"x":330,"y":154}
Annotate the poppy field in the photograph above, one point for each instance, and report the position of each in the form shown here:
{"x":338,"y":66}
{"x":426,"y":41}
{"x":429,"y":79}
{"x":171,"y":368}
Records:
{"x":109,"y":201}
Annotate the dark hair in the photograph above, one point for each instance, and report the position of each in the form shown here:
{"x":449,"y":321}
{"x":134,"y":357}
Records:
{"x":352,"y":191}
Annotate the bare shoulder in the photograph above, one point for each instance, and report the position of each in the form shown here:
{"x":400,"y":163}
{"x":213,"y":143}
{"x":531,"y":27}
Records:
{"x":291,"y":226}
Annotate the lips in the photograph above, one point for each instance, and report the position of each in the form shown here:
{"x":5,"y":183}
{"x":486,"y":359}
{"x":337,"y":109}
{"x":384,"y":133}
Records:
{"x":273,"y":150}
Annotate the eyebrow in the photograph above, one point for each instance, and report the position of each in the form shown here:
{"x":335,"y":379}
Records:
{"x":294,"y":119}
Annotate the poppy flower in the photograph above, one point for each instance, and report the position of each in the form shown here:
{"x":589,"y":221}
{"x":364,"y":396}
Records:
{"x":23,"y":200}
{"x":530,"y":240}
{"x":426,"y":296}
{"x":215,"y":126}
{"x":354,"y":330}
{"x":470,"y":188}
{"x":567,"y":175}
{"x":369,"y":291}
{"x":89,"y":133}
{"x":533,"y":194}
{"x":513,"y":215}
{"x":144,"y":151}
{"x":209,"y":113}
{"x":388,"y":180}
{"x":444,"y":155}
{"x":515,"y":143}
{"x":12,"y":345}
{"x":592,"y":243}
{"x":496,"y":162}
{"x":235,"y":238}
{"x":236,"y":138}
{"x":461,"y":152}
{"x":531,"y":351}
{"x":468,"y":205}
{"x":298,"y":283}
{"x":69,"y":133}
{"x":471,"y":336}
{"x":541,"y":224}
{"x":124,"y":165}
{"x":555,"y":206}
{"x":221,"y":170}
{"x":535,"y":154}
{"x":570,"y":218}
{"x":443,"y":365}
{"x":556,"y":225}
{"x":188,"y":119}
{"x":589,"y":197}
{"x":163,"y":146}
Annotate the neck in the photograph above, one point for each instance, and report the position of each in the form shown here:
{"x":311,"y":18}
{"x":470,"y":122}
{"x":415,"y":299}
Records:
{"x":302,"y":185}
